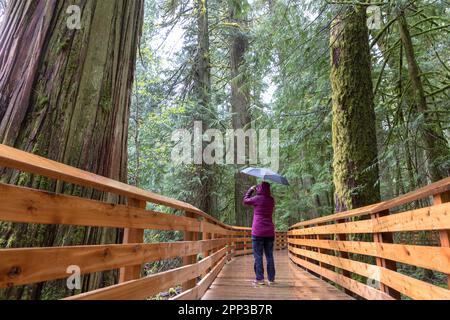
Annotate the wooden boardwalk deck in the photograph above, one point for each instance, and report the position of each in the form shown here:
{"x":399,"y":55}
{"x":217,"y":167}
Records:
{"x":292,"y":283}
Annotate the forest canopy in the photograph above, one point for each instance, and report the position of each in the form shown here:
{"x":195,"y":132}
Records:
{"x":284,"y":74}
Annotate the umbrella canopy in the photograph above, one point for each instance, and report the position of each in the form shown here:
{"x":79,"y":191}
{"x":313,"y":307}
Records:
{"x":266,"y":174}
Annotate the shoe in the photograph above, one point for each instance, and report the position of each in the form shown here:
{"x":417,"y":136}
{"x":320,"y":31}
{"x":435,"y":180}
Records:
{"x":258,"y":282}
{"x":271,"y":283}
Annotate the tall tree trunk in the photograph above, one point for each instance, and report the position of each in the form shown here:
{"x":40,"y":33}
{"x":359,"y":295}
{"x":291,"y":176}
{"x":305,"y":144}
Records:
{"x":436,"y":146}
{"x":65,"y":95}
{"x":205,"y":197}
{"x":354,"y":134}
{"x":240,"y":104}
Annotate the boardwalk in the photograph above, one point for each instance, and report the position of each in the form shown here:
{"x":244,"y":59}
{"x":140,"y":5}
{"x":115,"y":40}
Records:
{"x":235,"y":283}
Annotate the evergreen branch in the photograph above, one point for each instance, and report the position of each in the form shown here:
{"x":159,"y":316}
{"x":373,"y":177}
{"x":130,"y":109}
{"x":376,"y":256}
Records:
{"x":431,"y":30}
{"x":438,"y":91}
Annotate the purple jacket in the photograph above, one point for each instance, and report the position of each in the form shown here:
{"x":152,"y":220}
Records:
{"x":264,"y":205}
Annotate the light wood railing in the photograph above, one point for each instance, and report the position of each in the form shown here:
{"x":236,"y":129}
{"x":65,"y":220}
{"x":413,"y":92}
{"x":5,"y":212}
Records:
{"x":203,"y":235}
{"x":243,"y":241}
{"x":358,"y":250}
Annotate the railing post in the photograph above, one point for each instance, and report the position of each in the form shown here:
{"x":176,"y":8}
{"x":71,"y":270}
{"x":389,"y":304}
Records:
{"x":444,"y":235}
{"x":234,"y":244}
{"x":189,"y":236}
{"x":227,"y":236}
{"x":385,"y":237}
{"x":205,"y":236}
{"x":322,"y":251}
{"x":132,"y":236}
{"x":245,"y":242}
{"x":344,"y":255}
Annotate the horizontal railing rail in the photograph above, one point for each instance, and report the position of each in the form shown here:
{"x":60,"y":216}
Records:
{"x":204,"y":236}
{"x":358,"y":250}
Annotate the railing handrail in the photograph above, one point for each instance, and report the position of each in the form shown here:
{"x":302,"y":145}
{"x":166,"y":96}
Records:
{"x":31,"y":163}
{"x":427,"y":191}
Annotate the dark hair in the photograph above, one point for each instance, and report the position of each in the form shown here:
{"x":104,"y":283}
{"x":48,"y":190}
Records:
{"x":266,"y":183}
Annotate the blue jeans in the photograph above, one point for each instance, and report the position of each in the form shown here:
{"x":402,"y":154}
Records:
{"x":260,"y":245}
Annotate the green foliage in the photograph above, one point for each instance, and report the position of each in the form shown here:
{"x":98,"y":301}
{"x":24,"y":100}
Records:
{"x":289,"y":83}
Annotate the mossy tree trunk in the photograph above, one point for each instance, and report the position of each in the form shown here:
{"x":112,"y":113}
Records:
{"x":65,"y":95}
{"x":354,"y":131}
{"x":240,"y":105}
{"x":435,"y":143}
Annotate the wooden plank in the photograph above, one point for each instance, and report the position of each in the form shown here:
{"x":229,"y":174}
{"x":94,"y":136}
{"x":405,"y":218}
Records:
{"x":360,"y":289}
{"x":409,"y":286}
{"x":444,"y":235}
{"x":425,"y":219}
{"x":27,"y":162}
{"x":334,"y":217}
{"x":292,"y":283}
{"x":134,"y":236}
{"x":441,"y":186}
{"x":434,"y":258}
{"x":245,"y":229}
{"x":214,"y":228}
{"x":432,"y":189}
{"x":244,"y":240}
{"x":33,"y":206}
{"x":198,"y":291}
{"x":43,"y":264}
{"x":146,"y":287}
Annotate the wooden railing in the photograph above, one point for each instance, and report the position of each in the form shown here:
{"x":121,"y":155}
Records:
{"x":358,"y":250}
{"x":243,"y":241}
{"x":203,"y":235}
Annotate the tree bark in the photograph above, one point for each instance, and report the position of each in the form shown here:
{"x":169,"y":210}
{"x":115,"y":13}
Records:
{"x":354,"y":134}
{"x":205,"y":198}
{"x":65,"y":95}
{"x":240,"y":104}
{"x":436,"y":146}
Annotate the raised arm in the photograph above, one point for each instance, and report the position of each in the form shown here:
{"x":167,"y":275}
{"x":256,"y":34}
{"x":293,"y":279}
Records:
{"x":248,"y":199}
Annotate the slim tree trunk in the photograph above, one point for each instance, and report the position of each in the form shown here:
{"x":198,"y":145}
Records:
{"x":240,"y":104}
{"x":65,"y":95}
{"x":354,"y":135}
{"x":436,"y":146}
{"x":205,"y":198}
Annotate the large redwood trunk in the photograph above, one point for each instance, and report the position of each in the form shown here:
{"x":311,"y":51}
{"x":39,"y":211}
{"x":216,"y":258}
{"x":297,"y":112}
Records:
{"x":65,"y":95}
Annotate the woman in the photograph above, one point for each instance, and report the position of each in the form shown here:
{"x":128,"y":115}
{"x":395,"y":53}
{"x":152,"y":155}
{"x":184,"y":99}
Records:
{"x":263,"y":230}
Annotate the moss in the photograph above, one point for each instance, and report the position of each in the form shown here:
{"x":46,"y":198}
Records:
{"x":63,"y":45}
{"x":354,"y":133}
{"x":42,"y":101}
{"x":105,"y":99}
